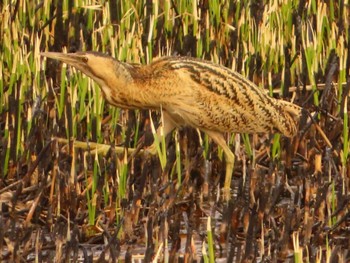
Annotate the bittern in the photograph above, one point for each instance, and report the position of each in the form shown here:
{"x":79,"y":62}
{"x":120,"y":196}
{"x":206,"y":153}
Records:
{"x":192,"y":92}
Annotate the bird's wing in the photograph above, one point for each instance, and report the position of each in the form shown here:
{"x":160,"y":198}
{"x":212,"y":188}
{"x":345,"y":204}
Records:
{"x":215,"y":78}
{"x":239,"y":104}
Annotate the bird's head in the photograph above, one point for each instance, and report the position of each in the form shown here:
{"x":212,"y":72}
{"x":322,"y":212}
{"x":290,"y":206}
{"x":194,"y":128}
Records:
{"x":93,"y":64}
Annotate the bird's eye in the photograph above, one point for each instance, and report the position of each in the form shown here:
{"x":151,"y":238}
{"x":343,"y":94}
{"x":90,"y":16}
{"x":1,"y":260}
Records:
{"x":85,"y":59}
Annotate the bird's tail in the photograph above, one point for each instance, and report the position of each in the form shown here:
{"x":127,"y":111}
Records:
{"x":288,"y":123}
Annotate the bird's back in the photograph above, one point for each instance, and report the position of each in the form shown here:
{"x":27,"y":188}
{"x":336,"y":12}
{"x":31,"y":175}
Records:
{"x":209,"y":96}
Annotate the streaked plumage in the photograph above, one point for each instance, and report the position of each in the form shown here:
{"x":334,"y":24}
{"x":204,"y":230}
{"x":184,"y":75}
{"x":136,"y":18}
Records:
{"x":191,"y":92}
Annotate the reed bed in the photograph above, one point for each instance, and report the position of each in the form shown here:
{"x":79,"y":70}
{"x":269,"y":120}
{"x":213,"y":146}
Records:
{"x":60,"y":202}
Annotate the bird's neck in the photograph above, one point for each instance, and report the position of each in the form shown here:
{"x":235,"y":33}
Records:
{"x":126,"y":88}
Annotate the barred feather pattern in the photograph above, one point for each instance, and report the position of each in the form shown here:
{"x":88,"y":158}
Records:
{"x":191,"y":91}
{"x":209,"y":96}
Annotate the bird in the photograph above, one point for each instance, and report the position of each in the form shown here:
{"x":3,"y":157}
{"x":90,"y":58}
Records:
{"x":191,"y":92}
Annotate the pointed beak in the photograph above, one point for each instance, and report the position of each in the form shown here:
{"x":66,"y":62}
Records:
{"x":73,"y":59}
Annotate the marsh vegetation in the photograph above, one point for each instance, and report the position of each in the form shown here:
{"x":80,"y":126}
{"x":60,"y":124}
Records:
{"x":290,"y":197}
